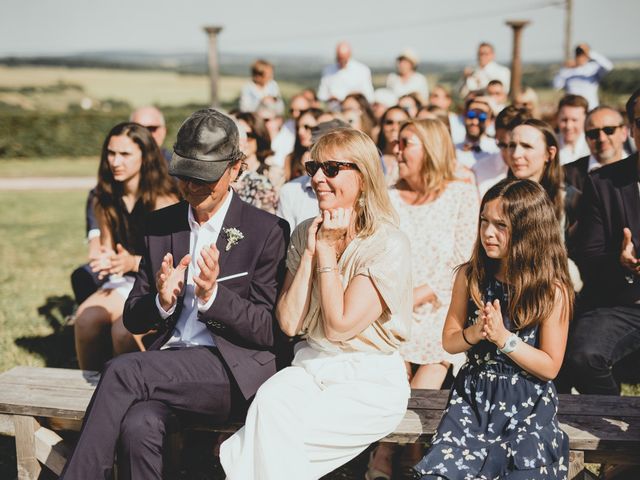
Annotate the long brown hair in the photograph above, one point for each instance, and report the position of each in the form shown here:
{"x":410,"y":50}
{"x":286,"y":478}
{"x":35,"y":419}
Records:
{"x":154,"y":181}
{"x":553,"y":176}
{"x":536,"y":262}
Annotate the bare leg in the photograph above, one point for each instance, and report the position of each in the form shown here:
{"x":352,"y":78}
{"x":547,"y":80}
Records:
{"x":92,"y":328}
{"x":122,"y":339}
{"x":430,"y":376}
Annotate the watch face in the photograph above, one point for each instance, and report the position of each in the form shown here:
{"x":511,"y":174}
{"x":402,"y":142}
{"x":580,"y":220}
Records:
{"x":512,"y":342}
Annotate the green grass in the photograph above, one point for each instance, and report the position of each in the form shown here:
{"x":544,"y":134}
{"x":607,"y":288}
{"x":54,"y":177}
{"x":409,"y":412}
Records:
{"x":49,"y":167}
{"x":40,"y":245}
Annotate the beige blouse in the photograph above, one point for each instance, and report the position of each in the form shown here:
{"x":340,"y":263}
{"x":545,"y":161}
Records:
{"x":384,"y":257}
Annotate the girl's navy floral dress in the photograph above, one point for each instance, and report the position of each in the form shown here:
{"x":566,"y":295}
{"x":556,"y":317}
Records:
{"x":501,"y":421}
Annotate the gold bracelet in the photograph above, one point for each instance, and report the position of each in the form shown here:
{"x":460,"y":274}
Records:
{"x":326,"y":269}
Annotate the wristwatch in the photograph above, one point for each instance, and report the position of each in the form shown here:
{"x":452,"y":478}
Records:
{"x":510,"y":345}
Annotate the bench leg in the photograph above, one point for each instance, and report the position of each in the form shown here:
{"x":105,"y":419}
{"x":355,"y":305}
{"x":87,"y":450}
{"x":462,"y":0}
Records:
{"x":28,"y":466}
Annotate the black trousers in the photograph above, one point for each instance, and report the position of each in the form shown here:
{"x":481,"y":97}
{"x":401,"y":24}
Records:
{"x":136,"y":396}
{"x":598,"y":340}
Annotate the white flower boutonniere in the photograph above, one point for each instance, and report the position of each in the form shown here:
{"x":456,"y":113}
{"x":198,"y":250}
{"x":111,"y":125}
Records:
{"x":233,"y":237}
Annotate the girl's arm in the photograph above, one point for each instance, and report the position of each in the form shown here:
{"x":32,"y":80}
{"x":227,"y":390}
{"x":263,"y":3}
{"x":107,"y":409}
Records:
{"x":543,"y":362}
{"x":293,"y":304}
{"x":452,"y":334}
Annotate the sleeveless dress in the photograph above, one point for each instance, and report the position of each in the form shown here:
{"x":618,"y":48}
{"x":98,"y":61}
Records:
{"x":500,"y":421}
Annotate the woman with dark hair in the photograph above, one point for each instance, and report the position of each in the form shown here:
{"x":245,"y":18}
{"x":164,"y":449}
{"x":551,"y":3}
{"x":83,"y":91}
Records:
{"x":411,"y":104}
{"x":294,"y":163}
{"x":358,"y":113}
{"x":534,"y":155}
{"x":390,"y":123}
{"x":254,"y":184}
{"x":132,"y":182}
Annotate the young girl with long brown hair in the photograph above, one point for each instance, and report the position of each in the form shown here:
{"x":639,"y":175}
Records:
{"x":510,"y":311}
{"x":132,"y":182}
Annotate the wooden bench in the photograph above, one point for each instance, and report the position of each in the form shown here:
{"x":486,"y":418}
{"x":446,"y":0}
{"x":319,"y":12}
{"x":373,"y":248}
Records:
{"x":602,"y":429}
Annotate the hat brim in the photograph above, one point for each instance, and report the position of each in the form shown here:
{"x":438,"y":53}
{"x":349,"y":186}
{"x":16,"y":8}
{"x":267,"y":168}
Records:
{"x":204,"y":170}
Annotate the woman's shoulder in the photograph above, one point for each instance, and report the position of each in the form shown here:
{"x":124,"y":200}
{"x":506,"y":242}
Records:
{"x":389,"y":237}
{"x":462,"y":188}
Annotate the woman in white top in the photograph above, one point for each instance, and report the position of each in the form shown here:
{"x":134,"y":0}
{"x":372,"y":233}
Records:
{"x":348,"y":293}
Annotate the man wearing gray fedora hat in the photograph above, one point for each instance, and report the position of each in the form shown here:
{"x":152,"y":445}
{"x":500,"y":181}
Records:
{"x":208,"y":282}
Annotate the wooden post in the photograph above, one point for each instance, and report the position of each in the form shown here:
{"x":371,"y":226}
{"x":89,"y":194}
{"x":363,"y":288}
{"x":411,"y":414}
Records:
{"x":516,"y":61}
{"x":28,"y":466}
{"x":568,"y":18}
{"x":214,"y":73}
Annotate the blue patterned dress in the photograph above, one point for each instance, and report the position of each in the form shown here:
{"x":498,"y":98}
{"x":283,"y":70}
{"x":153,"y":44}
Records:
{"x":500,"y":421}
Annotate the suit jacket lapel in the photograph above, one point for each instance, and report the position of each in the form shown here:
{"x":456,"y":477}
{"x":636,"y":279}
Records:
{"x":232,"y":219}
{"x":631,"y":198}
{"x":180,"y":243}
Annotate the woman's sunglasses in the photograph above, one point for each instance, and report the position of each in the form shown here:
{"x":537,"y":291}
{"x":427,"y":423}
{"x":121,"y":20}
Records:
{"x":330,"y":168}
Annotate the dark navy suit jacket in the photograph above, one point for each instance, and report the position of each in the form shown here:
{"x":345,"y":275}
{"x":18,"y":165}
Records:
{"x":242,"y":318}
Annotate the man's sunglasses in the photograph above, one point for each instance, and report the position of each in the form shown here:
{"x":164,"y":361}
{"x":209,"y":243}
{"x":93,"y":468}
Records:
{"x":594,"y":133}
{"x":152,"y":128}
{"x":480,"y":115}
{"x":330,"y":168}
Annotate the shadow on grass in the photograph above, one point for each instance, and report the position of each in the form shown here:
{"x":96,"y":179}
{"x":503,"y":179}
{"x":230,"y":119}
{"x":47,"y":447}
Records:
{"x":56,"y":349}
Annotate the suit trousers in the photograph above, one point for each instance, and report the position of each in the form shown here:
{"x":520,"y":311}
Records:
{"x":598,"y":340}
{"x":318,"y":414}
{"x":136,"y":396}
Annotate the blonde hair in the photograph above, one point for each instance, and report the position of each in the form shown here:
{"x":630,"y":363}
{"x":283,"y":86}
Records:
{"x":355,"y":146}
{"x":439,"y":162}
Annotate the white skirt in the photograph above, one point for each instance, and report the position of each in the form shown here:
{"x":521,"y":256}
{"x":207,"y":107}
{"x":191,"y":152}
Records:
{"x":121,"y":284}
{"x":312,"y":417}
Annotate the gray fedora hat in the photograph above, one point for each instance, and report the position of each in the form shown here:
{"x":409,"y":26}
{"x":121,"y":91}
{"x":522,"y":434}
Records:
{"x":206,"y":144}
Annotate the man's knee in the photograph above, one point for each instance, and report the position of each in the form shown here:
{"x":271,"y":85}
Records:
{"x":585,"y":359}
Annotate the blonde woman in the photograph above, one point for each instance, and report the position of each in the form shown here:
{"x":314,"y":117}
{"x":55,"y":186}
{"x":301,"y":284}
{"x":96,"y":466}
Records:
{"x":348,"y":293}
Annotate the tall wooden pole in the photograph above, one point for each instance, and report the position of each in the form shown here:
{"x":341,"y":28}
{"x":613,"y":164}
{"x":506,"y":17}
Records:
{"x":214,"y":69}
{"x":516,"y":61}
{"x":568,"y":22}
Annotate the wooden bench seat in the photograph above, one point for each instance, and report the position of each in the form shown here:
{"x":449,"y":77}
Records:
{"x":602,"y":429}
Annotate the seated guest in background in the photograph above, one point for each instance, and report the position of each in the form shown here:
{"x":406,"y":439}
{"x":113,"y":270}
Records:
{"x":440,"y":97}
{"x":84,"y":281}
{"x":572,"y":111}
{"x":606,"y":134}
{"x":495,"y":90}
{"x":438,"y":213}
{"x":282,"y":144}
{"x":343,"y":77}
{"x":312,"y":97}
{"x":411,"y":104}
{"x":491,"y":169}
{"x":357,"y":112}
{"x":297,"y":200}
{"x":528,"y":98}
{"x":209,"y":280}
{"x":407,"y":80}
{"x":271,"y":113}
{"x":294,"y":164}
{"x":582,"y":75}
{"x":487,"y":70}
{"x":478,"y":115}
{"x":383,"y":98}
{"x":606,"y":245}
{"x":132,"y":182}
{"x":252,"y":185}
{"x":390,"y":124}
{"x":348,"y":292}
{"x":260,"y":86}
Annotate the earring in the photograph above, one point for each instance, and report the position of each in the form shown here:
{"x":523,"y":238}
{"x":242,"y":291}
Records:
{"x":361,"y":200}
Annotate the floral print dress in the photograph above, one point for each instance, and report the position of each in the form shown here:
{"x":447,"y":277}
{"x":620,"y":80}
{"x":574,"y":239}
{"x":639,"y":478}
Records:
{"x":500,"y":421}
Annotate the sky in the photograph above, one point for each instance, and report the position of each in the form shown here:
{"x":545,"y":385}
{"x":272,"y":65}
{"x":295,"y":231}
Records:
{"x":436,"y":30}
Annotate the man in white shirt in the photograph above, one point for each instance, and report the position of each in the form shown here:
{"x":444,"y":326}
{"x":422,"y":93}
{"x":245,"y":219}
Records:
{"x":487,"y":70}
{"x":478,"y":115}
{"x":441,"y":97}
{"x":208,"y":284}
{"x":606,"y":134}
{"x":344,"y":77}
{"x":407,"y":80}
{"x":283,"y":143}
{"x":572,"y":112}
{"x":260,"y":86}
{"x":582,"y":76}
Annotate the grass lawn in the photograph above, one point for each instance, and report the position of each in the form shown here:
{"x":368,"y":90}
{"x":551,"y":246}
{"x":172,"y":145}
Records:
{"x":49,"y":167}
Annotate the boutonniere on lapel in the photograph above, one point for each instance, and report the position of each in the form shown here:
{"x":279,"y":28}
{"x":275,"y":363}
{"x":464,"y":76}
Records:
{"x":233,"y":237}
